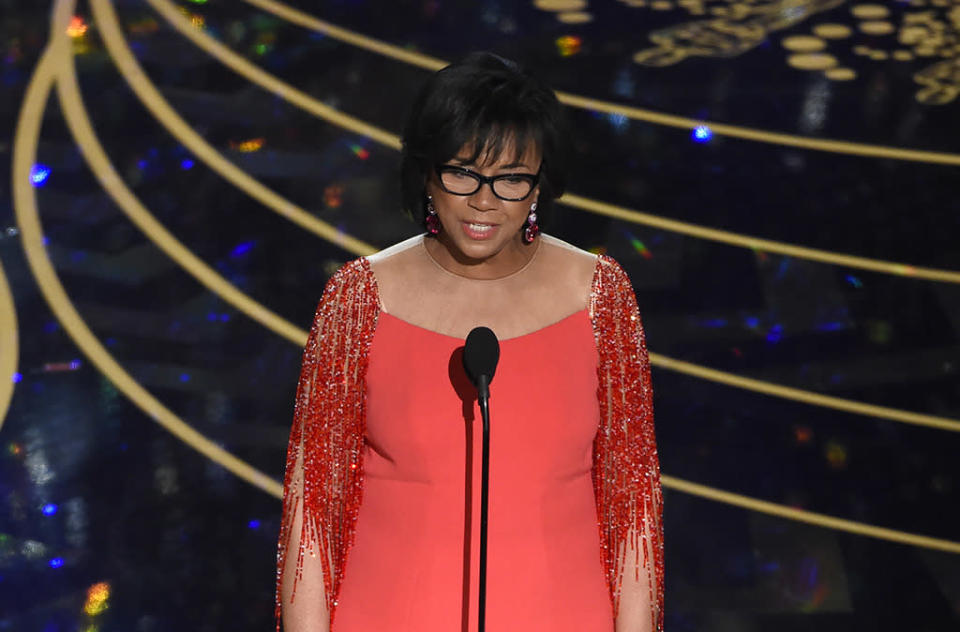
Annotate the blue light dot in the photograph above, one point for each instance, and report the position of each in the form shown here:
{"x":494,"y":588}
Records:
{"x":186,"y":164}
{"x":702,"y":133}
{"x":39,"y":174}
{"x":254,"y":524}
{"x":224,"y":317}
{"x":775,"y":334}
{"x":184,"y":377}
{"x":17,"y":377}
{"x":141,"y":164}
{"x":242,"y":249}
{"x":56,"y":562}
{"x":49,"y":509}
{"x":211,"y":316}
{"x":751,"y":321}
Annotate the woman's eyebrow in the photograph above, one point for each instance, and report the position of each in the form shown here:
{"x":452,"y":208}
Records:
{"x":466,"y":162}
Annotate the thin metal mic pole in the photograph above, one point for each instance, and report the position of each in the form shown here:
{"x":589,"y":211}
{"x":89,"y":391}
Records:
{"x":484,"y":402}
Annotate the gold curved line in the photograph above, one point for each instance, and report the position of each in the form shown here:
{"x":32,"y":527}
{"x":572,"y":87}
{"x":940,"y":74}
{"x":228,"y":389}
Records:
{"x":427,"y":62}
{"x":31,"y":232}
{"x":151,"y":98}
{"x":760,"y":244}
{"x":809,"y":517}
{"x":246,"y":69}
{"x":78,"y":122}
{"x":25,"y":145}
{"x":9,"y":345}
{"x":807,"y":397}
{"x":110,"y":32}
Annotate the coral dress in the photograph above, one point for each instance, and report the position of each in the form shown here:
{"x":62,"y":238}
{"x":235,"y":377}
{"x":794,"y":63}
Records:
{"x":414,"y":564}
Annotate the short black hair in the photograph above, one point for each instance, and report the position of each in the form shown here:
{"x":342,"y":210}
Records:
{"x":489,"y":102}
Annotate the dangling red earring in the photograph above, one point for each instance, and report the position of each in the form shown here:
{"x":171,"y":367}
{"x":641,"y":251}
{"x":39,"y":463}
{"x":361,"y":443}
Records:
{"x":432,"y":221}
{"x":531,"y":230}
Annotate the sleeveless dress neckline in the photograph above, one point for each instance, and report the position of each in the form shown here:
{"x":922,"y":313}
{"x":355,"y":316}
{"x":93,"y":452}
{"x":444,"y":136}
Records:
{"x":542,"y":330}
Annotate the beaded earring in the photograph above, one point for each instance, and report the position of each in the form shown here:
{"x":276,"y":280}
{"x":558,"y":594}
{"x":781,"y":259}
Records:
{"x":531,"y":229}
{"x":432,"y":221}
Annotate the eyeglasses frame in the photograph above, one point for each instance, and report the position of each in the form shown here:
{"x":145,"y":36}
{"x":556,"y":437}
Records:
{"x":482,"y":180}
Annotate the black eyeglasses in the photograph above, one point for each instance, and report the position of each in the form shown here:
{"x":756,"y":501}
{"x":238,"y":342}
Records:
{"x":511,"y":187}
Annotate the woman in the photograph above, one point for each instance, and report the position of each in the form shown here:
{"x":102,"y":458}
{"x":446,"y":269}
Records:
{"x":384,"y":461}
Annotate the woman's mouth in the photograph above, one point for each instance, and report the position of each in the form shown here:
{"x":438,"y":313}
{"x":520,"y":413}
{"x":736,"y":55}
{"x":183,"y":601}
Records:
{"x":479,"y":231}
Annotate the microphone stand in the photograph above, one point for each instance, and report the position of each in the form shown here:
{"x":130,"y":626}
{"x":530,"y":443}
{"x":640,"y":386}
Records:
{"x":483,"y":399}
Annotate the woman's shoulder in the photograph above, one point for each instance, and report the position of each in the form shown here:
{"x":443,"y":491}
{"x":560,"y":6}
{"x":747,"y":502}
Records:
{"x":567,"y":258}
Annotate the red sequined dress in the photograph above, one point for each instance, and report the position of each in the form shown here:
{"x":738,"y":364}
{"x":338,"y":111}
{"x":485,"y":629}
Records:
{"x":383,"y":470}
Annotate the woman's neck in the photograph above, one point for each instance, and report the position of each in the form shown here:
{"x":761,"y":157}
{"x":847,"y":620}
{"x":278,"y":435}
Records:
{"x":512,"y":259}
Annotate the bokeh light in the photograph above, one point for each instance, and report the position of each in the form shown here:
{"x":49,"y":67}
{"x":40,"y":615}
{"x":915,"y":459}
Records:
{"x":97,"y":596}
{"x":39,"y":174}
{"x":568,"y":45}
{"x":77,"y":27}
{"x":702,"y":133}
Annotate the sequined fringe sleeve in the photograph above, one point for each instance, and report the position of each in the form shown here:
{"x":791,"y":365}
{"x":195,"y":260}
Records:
{"x":323,"y":481}
{"x":626,"y":471}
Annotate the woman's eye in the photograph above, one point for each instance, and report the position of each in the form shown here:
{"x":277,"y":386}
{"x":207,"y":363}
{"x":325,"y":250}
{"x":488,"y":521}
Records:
{"x":513,"y":180}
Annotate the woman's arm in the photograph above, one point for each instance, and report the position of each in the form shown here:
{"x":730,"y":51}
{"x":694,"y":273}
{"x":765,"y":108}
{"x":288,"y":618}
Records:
{"x":324,"y":470}
{"x":626,"y":466}
{"x":308,"y":612}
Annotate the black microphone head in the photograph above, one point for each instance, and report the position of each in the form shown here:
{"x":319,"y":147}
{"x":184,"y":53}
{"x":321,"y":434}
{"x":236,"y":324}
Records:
{"x":481,"y":353}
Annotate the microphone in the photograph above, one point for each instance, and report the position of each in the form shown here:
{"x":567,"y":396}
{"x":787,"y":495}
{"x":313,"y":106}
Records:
{"x":481,"y":352}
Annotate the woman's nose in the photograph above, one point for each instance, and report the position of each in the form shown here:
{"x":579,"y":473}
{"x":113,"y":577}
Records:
{"x":484,"y":197}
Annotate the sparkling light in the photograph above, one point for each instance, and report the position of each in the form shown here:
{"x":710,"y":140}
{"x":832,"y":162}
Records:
{"x":775,"y":334}
{"x":639,"y":246}
{"x":77,"y":27}
{"x":39,"y":174}
{"x":56,"y":562}
{"x":17,"y":377}
{"x":333,"y":196}
{"x":248,"y":146}
{"x":97,"y":596}
{"x":254,"y":524}
{"x":186,"y":164}
{"x":568,"y":45}
{"x":359,"y":152}
{"x":49,"y":509}
{"x":702,"y":133}
{"x":242,"y":249}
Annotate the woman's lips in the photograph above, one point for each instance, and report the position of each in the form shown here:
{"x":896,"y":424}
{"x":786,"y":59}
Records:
{"x":479,"y":231}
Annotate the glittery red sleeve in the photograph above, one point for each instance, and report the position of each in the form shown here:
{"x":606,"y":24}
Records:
{"x":626,"y":471}
{"x":323,"y":481}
